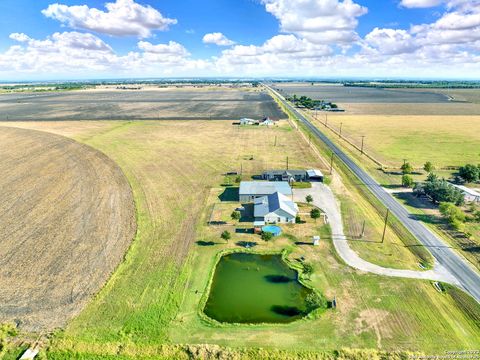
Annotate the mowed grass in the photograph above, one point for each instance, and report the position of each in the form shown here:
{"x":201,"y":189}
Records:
{"x":151,"y":303}
{"x":443,"y":140}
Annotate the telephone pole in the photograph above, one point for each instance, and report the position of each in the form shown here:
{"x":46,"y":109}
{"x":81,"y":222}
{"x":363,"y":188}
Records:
{"x":340,"y":132}
{"x":287,"y":162}
{"x":363,"y":139}
{"x":385,"y":226}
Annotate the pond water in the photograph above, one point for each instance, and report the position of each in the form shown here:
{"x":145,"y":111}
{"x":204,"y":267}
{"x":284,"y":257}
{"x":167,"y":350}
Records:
{"x":251,"y":288}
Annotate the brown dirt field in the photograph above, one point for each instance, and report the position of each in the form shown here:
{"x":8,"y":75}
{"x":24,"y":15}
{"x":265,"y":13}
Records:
{"x":67,"y":217}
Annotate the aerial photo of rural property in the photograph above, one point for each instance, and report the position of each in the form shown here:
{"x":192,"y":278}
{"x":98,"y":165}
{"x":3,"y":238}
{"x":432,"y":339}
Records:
{"x":235,"y":180}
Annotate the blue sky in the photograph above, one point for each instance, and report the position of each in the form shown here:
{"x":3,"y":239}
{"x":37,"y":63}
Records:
{"x":388,"y":38}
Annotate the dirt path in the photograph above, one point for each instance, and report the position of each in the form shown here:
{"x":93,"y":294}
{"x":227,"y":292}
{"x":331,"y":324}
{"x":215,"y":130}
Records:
{"x":324,"y":199}
{"x":66,"y":219}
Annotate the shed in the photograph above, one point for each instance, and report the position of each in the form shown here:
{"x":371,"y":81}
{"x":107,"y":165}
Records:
{"x":315,"y":175}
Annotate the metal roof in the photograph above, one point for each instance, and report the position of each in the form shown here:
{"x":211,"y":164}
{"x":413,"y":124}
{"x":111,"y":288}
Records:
{"x":286,"y":172}
{"x":264,"y":187}
{"x":466,"y":190}
{"x":314,"y":173}
{"x":271,"y":203}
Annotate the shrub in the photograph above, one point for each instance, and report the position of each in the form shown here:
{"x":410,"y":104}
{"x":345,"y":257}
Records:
{"x":267,"y":236}
{"x":298,"y":219}
{"x":407,"y":181}
{"x":469,"y":173}
{"x":236,"y":215}
{"x":406,"y":168}
{"x":428,"y":167}
{"x":309,"y":199}
{"x":226,"y":235}
{"x":314,"y":301}
{"x":315,"y":214}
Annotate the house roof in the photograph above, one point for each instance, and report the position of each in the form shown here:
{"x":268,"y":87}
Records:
{"x":273,"y":202}
{"x":286,"y":172}
{"x":264,"y":187}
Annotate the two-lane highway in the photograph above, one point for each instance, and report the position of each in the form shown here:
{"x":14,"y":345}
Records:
{"x":467,"y":277}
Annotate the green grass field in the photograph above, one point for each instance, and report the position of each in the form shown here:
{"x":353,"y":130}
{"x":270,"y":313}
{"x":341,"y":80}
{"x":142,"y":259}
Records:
{"x":150,"y":307}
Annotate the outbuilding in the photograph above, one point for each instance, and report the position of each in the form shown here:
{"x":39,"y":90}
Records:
{"x":250,"y":190}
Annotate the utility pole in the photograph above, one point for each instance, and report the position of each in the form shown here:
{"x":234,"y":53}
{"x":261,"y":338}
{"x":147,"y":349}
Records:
{"x":287,"y":162}
{"x":309,"y":139}
{"x":326,"y":119}
{"x":385,"y":226}
{"x":363,"y":138}
{"x":363,"y":230}
{"x":340,"y":133}
{"x":241,"y":169}
{"x":275,"y":141}
{"x":331,"y":163}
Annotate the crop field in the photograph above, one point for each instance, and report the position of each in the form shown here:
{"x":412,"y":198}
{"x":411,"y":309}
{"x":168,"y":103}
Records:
{"x":164,"y":104}
{"x":67,"y":218}
{"x":375,"y":101}
{"x":443,"y":140}
{"x":150,"y":306}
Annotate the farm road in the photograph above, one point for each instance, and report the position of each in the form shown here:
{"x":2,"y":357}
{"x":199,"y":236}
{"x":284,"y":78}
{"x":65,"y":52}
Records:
{"x":325,"y":200}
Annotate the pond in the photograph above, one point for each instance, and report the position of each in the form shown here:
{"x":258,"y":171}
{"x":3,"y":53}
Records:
{"x":252,"y":288}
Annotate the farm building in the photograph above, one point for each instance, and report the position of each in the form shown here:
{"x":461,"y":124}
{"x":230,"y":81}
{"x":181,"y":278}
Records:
{"x":470,"y":194}
{"x":247,"y":121}
{"x":250,"y":190}
{"x":293,"y":175}
{"x":275,"y":208}
{"x":266,"y":122}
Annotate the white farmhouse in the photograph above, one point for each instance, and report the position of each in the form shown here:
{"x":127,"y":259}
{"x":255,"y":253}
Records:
{"x":275,"y":208}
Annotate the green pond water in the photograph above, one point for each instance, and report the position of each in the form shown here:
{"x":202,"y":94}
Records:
{"x":251,"y":288}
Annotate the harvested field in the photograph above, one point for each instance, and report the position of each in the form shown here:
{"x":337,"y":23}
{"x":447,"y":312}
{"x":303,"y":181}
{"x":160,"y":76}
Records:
{"x":375,"y":101}
{"x":346,"y":94}
{"x":159,"y":104}
{"x":67,"y":218}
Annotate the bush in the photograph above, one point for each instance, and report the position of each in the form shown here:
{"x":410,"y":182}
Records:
{"x":298,"y":219}
{"x":267,"y":236}
{"x":236,"y":215}
{"x":309,"y":199}
{"x":469,"y":173}
{"x":314,"y":301}
{"x":407,"y":168}
{"x":226,"y":235}
{"x":407,"y":181}
{"x":315,"y":214}
{"x":428,"y":167}
{"x":451,"y":212}
{"x":439,"y":191}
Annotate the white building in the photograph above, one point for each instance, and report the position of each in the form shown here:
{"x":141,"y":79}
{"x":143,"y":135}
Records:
{"x":470,"y":194}
{"x":247,"y":121}
{"x":275,"y":209}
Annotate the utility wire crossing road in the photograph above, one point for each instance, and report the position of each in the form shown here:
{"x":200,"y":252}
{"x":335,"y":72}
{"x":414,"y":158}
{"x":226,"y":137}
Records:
{"x":467,"y":277}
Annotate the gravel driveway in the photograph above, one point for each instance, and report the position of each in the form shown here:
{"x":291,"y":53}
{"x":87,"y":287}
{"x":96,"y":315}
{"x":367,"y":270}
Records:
{"x":324,"y":199}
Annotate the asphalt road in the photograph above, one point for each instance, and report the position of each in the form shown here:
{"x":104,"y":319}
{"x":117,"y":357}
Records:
{"x":466,"y":276}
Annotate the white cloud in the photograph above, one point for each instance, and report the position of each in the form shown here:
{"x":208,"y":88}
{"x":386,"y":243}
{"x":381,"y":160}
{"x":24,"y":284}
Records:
{"x":319,"y":21}
{"x":420,"y":3}
{"x":390,"y":41}
{"x":217,"y":39}
{"x":172,"y":48}
{"x":20,"y":37}
{"x":122,"y":18}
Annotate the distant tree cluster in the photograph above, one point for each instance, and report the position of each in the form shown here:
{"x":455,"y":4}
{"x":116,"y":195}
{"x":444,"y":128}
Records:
{"x":439,"y":190}
{"x":310,"y":103}
{"x":469,"y":173}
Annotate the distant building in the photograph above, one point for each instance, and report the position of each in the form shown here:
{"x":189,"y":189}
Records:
{"x":250,"y":190}
{"x":266,"y":122}
{"x":247,"y":121}
{"x":275,"y":208}
{"x":293,"y":175}
{"x":469,"y":194}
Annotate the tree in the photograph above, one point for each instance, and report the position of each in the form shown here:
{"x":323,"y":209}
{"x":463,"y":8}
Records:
{"x":406,"y":168}
{"x":476,"y":216}
{"x":469,"y":173}
{"x":439,"y":191}
{"x":267,"y":236}
{"x":407,"y":181}
{"x":236,"y":215}
{"x":432,"y":177}
{"x":451,"y":212}
{"x":315,"y":214}
{"x":309,"y":199}
{"x":238,"y":179}
{"x":226,"y":236}
{"x":428,"y":167}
